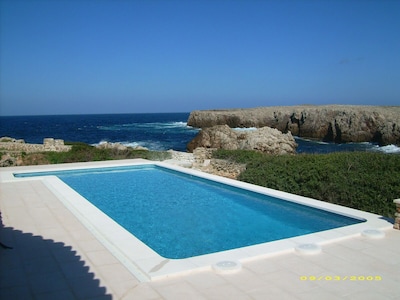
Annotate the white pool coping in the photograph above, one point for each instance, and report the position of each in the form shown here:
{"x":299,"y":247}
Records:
{"x":145,"y":264}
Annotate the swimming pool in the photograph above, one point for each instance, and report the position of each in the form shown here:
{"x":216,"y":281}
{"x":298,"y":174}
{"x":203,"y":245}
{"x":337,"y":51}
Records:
{"x":145,"y":263}
{"x":180,"y":215}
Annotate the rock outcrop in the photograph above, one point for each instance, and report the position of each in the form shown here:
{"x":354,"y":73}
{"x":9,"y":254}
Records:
{"x":266,"y":139}
{"x":118,"y":146}
{"x":201,"y":159}
{"x":330,"y":123}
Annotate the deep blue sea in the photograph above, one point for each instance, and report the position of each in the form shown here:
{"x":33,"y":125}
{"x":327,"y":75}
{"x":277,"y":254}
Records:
{"x":155,"y":131}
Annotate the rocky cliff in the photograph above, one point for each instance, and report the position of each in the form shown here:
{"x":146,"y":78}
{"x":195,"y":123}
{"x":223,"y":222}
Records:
{"x":331,"y":123}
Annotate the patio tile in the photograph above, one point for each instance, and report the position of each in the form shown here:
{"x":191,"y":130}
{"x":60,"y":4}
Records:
{"x":271,"y":291}
{"x":142,"y":291}
{"x":36,"y":266}
{"x":244,"y":280}
{"x":59,"y":295}
{"x":21,"y":292}
{"x":226,"y":291}
{"x":101,"y":257}
{"x":348,"y":254}
{"x":55,"y":231}
{"x":317,"y":294}
{"x":76,"y":268}
{"x":11,"y":277}
{"x":55,"y":256}
{"x":81,"y":234}
{"x":381,"y":254}
{"x":264,"y":266}
{"x":340,"y":288}
{"x":47,"y":282}
{"x":87,"y":287}
{"x":91,"y":245}
{"x":179,"y":291}
{"x":289,"y":281}
{"x":114,"y":273}
{"x":121,"y":289}
{"x":204,"y":280}
{"x":371,"y":295}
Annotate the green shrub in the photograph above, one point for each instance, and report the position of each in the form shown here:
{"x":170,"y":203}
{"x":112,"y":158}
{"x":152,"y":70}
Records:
{"x":361,"y":180}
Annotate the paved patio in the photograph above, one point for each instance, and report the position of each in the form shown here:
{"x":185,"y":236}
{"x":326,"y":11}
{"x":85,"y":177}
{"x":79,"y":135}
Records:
{"x":54,"y":256}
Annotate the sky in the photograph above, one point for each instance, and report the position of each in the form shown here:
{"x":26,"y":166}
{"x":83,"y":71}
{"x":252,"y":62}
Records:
{"x":137,"y":56}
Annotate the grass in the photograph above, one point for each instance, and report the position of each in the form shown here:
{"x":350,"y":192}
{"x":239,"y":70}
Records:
{"x":361,"y":180}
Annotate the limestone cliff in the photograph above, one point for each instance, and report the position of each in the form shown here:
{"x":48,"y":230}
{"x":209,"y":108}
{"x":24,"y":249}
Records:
{"x":331,"y":123}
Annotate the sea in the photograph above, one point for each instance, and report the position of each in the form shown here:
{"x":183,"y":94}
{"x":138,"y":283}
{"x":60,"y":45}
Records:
{"x":155,"y":131}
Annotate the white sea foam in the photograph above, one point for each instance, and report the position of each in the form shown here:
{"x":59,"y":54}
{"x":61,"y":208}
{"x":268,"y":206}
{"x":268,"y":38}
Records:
{"x":390,"y":149}
{"x":244,"y":128}
{"x":151,"y":145}
{"x":152,"y":125}
{"x":99,"y":143}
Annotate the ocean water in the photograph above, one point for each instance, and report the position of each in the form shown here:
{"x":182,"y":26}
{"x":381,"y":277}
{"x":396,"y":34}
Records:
{"x":156,"y":131}
{"x":153,"y":131}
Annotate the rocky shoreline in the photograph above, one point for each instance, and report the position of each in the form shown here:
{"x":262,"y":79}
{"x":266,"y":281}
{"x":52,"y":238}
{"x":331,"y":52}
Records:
{"x":329,"y":123}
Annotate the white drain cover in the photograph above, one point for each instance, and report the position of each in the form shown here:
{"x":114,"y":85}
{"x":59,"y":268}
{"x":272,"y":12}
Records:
{"x":227,"y":266}
{"x":308,"y":249}
{"x":373,"y":233}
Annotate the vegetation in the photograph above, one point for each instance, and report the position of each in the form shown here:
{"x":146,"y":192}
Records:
{"x":82,"y":152}
{"x":361,"y":180}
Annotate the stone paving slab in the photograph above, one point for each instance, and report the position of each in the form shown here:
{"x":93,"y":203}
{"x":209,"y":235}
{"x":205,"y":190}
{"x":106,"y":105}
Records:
{"x":54,"y":256}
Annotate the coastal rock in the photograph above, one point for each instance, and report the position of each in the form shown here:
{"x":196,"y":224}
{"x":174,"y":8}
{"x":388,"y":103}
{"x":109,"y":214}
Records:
{"x":220,"y":136}
{"x":267,"y":140}
{"x":330,"y":123}
{"x":118,"y":146}
{"x":108,"y":145}
{"x":7,"y":161}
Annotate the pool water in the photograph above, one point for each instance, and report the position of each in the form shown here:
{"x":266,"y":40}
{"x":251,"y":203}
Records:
{"x":180,"y":216}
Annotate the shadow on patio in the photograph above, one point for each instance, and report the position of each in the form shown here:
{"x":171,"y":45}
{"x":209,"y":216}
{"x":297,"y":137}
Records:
{"x":32,"y":267}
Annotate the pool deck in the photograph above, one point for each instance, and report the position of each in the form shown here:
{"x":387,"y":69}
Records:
{"x":54,"y":255}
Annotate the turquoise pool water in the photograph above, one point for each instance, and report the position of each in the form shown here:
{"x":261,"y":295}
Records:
{"x":180,"y":216}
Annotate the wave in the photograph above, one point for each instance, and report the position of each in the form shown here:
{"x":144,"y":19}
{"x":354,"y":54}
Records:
{"x":150,"y":125}
{"x":245,"y":128}
{"x":149,"y":144}
{"x":389,"y":149}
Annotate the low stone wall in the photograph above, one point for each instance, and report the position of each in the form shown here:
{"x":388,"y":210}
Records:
{"x":397,"y":214}
{"x":49,"y":144}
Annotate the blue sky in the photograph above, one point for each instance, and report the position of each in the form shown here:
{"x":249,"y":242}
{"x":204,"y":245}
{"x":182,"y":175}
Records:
{"x":127,"y":56}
